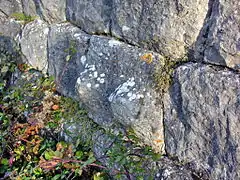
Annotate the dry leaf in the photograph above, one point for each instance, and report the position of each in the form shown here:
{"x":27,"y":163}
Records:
{"x":55,"y":107}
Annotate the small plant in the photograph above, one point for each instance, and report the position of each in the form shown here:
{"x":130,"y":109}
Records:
{"x":23,"y":17}
{"x":31,"y":118}
{"x":131,"y":157}
{"x":71,"y":50}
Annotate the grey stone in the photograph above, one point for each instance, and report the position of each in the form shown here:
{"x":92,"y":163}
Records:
{"x":116,"y":85}
{"x":34,"y":44}
{"x":66,"y":45}
{"x":8,"y":26}
{"x":202,"y":122}
{"x":50,"y":11}
{"x":170,"y":170}
{"x":110,"y":78}
{"x":29,"y":7}
{"x":164,"y":169}
{"x":219,"y":42}
{"x":93,"y":16}
{"x":163,"y":26}
{"x":9,"y":50}
{"x":8,"y":7}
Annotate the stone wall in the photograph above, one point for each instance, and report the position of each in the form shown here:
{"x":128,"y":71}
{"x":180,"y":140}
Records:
{"x":105,"y":54}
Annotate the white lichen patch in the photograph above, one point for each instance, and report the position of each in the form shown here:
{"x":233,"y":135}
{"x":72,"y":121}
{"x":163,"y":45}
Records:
{"x":45,"y":31}
{"x":123,"y":89}
{"x":102,"y":75}
{"x":102,"y":81}
{"x":95,"y":74}
{"x":83,"y":60}
{"x":77,"y":35}
{"x":113,"y":43}
{"x":139,"y":96}
{"x":89,"y":85}
{"x":125,"y":28}
{"x":79,"y":80}
{"x":92,"y":67}
{"x":96,"y":86}
{"x":133,"y":97}
{"x":129,"y":94}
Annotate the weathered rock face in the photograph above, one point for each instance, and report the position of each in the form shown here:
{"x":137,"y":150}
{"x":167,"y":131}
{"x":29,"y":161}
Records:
{"x":202,"y":122}
{"x":168,"y":170}
{"x":34,"y":44}
{"x":9,"y":50}
{"x":164,"y":26}
{"x":219,"y":42}
{"x":110,"y":78}
{"x":91,"y":16}
{"x":9,"y":7}
{"x":9,"y":27}
{"x":66,"y":45}
{"x":50,"y":11}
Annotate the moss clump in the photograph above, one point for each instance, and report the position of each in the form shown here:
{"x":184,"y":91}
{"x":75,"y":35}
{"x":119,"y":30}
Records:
{"x":23,"y":17}
{"x":164,"y":71}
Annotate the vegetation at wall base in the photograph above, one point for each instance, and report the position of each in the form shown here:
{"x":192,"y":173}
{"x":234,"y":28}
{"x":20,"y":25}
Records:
{"x":32,"y":115}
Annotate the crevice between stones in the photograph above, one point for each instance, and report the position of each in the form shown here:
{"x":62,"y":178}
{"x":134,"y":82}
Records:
{"x":4,"y":13}
{"x":201,"y":41}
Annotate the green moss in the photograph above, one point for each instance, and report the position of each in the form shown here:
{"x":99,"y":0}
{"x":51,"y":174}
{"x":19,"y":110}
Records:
{"x":164,"y":71}
{"x":23,"y":17}
{"x":76,"y":116}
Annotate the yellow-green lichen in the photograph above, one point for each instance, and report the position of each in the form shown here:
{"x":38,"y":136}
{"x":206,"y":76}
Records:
{"x":23,"y":17}
{"x":164,"y":71}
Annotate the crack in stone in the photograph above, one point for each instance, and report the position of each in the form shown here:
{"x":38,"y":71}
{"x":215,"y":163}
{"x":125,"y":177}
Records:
{"x":4,"y":13}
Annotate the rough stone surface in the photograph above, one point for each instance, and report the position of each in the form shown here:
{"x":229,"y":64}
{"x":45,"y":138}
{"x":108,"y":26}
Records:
{"x":164,"y":26}
{"x":219,"y":42}
{"x":111,"y":80}
{"x":93,"y":16}
{"x":29,"y":7}
{"x":168,"y":170}
{"x":114,"y":82}
{"x":9,"y":7}
{"x":9,"y":50}
{"x":66,"y":45}
{"x":202,"y":122}
{"x":34,"y":44}
{"x":8,"y":26}
{"x":50,"y":11}
{"x":118,"y":83}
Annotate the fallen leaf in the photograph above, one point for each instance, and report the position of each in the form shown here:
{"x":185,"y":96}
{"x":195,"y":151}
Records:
{"x":55,"y":107}
{"x":49,"y":165}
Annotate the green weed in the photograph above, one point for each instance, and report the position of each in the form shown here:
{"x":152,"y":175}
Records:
{"x":23,"y":17}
